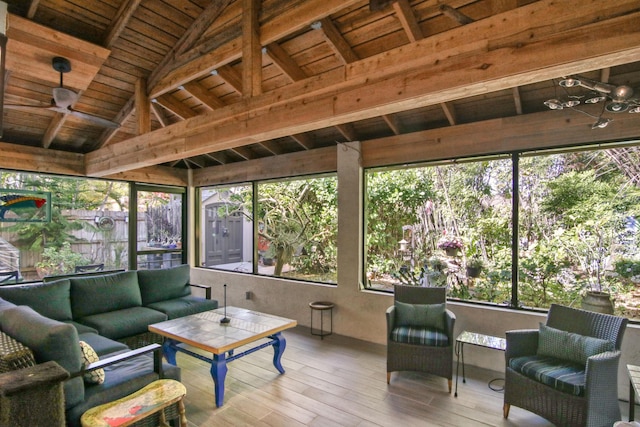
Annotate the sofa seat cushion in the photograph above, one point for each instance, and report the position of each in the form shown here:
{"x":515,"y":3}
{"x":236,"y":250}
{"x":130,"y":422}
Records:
{"x":49,"y":340}
{"x":184,"y":306}
{"x":52,"y":300}
{"x":562,"y":375}
{"x":164,"y":284}
{"x":420,"y":336}
{"x":121,"y":379}
{"x":123,"y":323}
{"x":102,"y":345}
{"x":104,"y":293}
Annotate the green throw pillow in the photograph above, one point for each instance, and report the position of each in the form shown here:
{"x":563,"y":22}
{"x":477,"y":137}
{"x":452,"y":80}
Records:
{"x":569,"y":346}
{"x":52,"y":299}
{"x":421,"y":315}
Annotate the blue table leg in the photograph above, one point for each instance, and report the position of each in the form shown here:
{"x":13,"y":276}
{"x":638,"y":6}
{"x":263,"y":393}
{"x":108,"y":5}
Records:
{"x":278,"y":348}
{"x":169,"y":350}
{"x":218,"y":373}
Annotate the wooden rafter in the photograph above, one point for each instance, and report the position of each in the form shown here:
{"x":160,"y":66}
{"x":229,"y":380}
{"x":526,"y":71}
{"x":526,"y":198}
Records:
{"x":408,"y":20}
{"x":121,"y":20}
{"x":160,"y":115}
{"x":272,"y":147}
{"x":517,"y":100}
{"x":343,"y":50}
{"x":449,"y":112}
{"x":455,"y":14}
{"x":231,"y":76}
{"x":33,"y":7}
{"x":209,"y":100}
{"x":348,"y":131}
{"x":143,"y":107}
{"x":170,"y":103}
{"x":244,"y":152}
{"x":251,"y":49}
{"x":369,"y":87}
{"x":287,"y":23}
{"x":284,"y":62}
{"x":219,"y":157}
{"x":303,"y":140}
{"x":185,"y":43}
{"x":392,"y":122}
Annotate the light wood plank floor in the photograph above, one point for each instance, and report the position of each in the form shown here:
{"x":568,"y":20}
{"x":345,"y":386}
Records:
{"x":339,"y":381}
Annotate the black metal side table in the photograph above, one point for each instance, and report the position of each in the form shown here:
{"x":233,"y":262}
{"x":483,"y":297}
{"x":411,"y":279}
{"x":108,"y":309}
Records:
{"x":474,"y":338}
{"x":322,"y":306}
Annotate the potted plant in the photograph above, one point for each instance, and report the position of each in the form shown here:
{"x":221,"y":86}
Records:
{"x":59,"y":260}
{"x":475,"y":264}
{"x":450,"y":245}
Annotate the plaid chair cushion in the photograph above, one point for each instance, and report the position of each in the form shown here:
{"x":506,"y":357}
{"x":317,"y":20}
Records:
{"x":562,"y":375}
{"x":422,"y":336}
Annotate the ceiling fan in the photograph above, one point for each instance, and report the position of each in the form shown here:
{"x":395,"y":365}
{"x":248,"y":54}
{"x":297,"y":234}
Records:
{"x":616,"y":99}
{"x":64,"y":99}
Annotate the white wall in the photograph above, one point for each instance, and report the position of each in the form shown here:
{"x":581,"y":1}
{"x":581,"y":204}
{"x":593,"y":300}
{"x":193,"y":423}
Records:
{"x":359,"y":313}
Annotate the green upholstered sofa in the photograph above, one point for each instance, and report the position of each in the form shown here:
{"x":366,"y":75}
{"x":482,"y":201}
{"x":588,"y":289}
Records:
{"x":105,"y":311}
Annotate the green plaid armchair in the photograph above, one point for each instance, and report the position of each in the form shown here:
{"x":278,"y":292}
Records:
{"x":567,"y":371}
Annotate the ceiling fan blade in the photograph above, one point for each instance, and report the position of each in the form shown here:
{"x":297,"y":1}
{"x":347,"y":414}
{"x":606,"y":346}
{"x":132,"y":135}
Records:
{"x":94,"y":119}
{"x":22,"y":107}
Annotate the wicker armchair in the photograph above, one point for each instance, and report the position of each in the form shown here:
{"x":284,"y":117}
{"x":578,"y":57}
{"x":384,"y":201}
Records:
{"x":436,"y":360}
{"x":598,"y":405}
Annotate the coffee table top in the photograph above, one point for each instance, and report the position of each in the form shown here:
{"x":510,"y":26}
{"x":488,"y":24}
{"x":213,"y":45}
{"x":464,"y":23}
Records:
{"x":482,"y":340}
{"x":204,"y":330}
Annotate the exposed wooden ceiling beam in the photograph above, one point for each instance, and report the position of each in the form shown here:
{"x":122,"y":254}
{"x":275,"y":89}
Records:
{"x":340,"y":46}
{"x":244,"y":152}
{"x":143,"y":107}
{"x":348,"y":131}
{"x":251,"y":49}
{"x":369,"y":87}
{"x":449,"y":112}
{"x":209,"y":100}
{"x":408,"y":20}
{"x":284,"y":62}
{"x":195,"y":31}
{"x":52,"y":130}
{"x":291,"y":20}
{"x":219,"y":157}
{"x":273,"y":147}
{"x":169,"y":102}
{"x":455,"y":14}
{"x":303,"y":140}
{"x":121,"y":20}
{"x":160,"y":115}
{"x":517,"y":100}
{"x":123,"y":115}
{"x":376,"y":5}
{"x":392,"y":122}
{"x":33,"y":7}
{"x":231,"y":76}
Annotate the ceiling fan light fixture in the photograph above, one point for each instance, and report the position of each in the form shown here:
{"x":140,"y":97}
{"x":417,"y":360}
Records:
{"x":570,"y":82}
{"x":571,"y":103}
{"x":635,"y":109}
{"x":594,"y":98}
{"x":601,"y":123}
{"x":617,"y":107}
{"x":554,"y":104}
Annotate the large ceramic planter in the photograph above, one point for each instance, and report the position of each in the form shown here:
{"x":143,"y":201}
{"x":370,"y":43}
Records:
{"x":451,"y":251}
{"x":599,"y":302}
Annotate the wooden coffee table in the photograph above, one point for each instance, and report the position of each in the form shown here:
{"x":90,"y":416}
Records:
{"x":204,"y":331}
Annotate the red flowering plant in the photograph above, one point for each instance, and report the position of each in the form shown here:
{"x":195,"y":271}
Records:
{"x":449,"y":243}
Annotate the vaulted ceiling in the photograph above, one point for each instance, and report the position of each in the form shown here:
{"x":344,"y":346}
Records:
{"x":196,"y":84}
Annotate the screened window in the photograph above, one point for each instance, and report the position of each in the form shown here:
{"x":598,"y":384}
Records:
{"x":575,"y":233}
{"x":87,"y":230}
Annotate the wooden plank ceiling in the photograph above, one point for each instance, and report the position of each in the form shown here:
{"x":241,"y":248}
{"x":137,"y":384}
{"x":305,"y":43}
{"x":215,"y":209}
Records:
{"x":167,"y":69}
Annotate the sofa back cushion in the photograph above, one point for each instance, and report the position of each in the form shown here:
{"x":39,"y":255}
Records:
{"x":164,"y":284}
{"x":48,"y":339}
{"x":51,"y":299}
{"x":105,"y":293}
